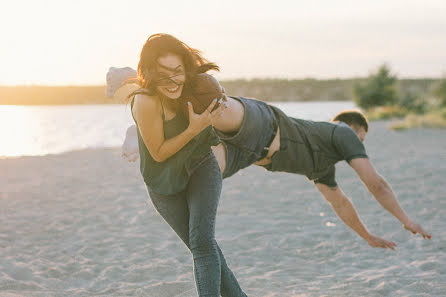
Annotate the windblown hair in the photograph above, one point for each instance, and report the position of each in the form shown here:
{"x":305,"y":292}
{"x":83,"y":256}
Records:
{"x":352,"y":117}
{"x":161,"y":44}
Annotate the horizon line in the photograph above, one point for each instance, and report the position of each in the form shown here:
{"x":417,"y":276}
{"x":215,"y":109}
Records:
{"x":227,"y":80}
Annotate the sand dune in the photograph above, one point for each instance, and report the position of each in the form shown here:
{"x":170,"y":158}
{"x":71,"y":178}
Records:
{"x":80,"y":224}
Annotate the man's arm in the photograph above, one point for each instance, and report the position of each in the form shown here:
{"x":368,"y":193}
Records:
{"x":347,"y":213}
{"x":383,"y":193}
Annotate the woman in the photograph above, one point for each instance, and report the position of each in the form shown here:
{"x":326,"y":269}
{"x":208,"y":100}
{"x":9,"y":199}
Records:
{"x":177,"y":164}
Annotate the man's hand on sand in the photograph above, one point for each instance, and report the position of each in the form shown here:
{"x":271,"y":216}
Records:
{"x":117,"y":77}
{"x":416,"y":228}
{"x":375,"y":241}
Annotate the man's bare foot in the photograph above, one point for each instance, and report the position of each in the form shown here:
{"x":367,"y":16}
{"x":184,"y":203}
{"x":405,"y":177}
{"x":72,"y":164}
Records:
{"x":117,"y":77}
{"x":130,"y":149}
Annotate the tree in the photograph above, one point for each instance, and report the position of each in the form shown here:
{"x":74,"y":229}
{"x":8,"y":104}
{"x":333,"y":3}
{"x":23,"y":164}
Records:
{"x":378,"y":90}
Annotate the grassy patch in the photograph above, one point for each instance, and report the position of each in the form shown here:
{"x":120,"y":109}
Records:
{"x":386,"y":112}
{"x":433,"y":119}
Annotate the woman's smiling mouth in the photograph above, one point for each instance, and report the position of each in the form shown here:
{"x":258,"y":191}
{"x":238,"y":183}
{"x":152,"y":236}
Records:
{"x":172,"y":90}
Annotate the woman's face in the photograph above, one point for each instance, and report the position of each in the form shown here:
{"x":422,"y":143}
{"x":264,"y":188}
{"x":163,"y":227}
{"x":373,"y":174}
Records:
{"x":171,"y":76}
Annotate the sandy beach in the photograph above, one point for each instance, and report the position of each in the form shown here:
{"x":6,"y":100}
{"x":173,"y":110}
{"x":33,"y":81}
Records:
{"x":81,"y":224}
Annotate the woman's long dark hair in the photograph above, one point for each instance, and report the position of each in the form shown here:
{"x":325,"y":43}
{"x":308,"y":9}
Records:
{"x":160,"y":44}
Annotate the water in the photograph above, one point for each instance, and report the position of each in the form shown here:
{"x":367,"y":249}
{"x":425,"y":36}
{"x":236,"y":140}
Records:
{"x":41,"y":130}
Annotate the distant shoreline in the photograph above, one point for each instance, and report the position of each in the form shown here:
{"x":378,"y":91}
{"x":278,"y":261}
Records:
{"x":272,"y":90}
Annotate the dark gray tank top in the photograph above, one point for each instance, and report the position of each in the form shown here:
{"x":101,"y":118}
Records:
{"x":172,"y":175}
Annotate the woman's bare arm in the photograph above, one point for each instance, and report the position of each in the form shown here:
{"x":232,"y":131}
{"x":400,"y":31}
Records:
{"x":147,"y":112}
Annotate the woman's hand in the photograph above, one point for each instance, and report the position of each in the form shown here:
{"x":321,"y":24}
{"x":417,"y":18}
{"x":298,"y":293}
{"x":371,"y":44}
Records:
{"x":198,"y":122}
{"x":219,"y":111}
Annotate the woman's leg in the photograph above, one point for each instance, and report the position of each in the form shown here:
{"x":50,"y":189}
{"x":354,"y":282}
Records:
{"x":175,"y":210}
{"x":203,"y":194}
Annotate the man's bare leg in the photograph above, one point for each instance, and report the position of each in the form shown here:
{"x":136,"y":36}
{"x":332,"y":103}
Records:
{"x":220,"y":154}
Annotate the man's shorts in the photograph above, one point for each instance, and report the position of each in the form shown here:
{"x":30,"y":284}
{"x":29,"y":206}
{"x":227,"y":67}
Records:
{"x":248,"y":144}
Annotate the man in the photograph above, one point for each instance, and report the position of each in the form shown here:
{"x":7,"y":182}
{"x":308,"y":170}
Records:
{"x":253,"y":132}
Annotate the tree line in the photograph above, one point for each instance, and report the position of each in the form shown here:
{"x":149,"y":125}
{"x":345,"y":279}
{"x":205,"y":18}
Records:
{"x":380,"y":88}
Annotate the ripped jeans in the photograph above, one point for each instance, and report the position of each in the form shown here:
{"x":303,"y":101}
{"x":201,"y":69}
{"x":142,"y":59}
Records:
{"x":247,"y":145}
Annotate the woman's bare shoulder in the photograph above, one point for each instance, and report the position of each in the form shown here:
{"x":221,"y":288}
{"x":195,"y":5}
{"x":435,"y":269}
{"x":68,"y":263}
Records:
{"x":146,"y":104}
{"x":144,"y":99}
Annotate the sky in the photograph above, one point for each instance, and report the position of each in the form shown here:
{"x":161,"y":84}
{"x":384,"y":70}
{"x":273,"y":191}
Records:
{"x":74,"y":42}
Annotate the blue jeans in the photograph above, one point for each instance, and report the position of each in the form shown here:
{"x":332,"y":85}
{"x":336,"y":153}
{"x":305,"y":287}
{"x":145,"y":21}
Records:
{"x":191,"y":214}
{"x":247,"y":145}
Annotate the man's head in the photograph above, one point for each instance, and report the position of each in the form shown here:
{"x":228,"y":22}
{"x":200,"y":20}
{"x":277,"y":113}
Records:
{"x":356,"y":120}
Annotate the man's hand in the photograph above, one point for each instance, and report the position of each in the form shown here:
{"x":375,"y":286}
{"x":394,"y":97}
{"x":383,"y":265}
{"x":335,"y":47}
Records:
{"x":375,"y":241}
{"x":383,"y":193}
{"x":416,"y":228}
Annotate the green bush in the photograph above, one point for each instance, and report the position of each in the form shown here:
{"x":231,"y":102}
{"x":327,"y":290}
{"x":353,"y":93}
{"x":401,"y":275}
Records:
{"x":413,"y":103}
{"x":386,"y":112}
{"x":378,"y":90}
{"x":443,"y":112}
{"x":428,"y":120}
{"x":440,"y":112}
{"x":439,"y":91}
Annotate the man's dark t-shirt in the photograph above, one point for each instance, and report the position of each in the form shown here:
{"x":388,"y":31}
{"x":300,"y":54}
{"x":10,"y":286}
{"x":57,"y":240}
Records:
{"x":313,"y":148}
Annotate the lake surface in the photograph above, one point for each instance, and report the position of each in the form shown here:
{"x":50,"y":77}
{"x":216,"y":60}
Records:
{"x":41,"y":130}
